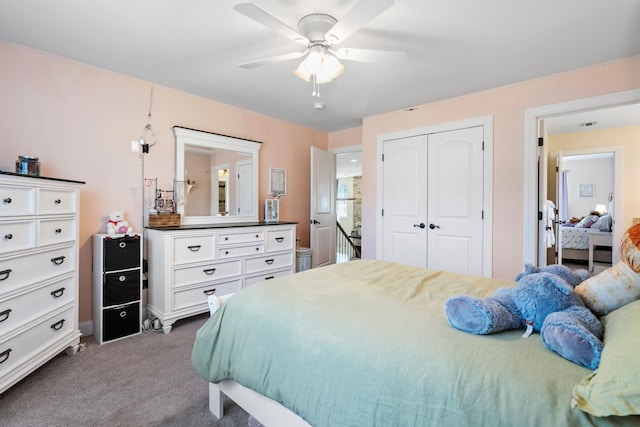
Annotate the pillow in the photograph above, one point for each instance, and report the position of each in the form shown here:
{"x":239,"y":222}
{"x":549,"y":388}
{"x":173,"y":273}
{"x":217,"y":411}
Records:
{"x":614,"y":388}
{"x":587,"y":221}
{"x":603,"y":223}
{"x":611,"y":289}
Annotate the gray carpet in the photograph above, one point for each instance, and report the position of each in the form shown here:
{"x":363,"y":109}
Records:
{"x":144,"y":380}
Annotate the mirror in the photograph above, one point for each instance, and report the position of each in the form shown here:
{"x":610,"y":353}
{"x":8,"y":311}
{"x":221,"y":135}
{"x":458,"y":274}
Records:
{"x":216,"y":177}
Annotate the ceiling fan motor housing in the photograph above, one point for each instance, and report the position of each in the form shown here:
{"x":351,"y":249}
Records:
{"x":315,"y":26}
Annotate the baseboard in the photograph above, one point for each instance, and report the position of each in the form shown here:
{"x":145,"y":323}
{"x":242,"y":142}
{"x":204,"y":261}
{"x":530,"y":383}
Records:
{"x":86,"y":328}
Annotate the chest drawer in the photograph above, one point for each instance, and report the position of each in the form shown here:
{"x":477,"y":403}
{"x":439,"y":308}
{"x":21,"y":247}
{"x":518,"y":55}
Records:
{"x":17,"y":201}
{"x":193,"y":249}
{"x":31,"y":305}
{"x":206,"y":272}
{"x":240,"y":251}
{"x":18,"y":272}
{"x":16,"y":236}
{"x":186,"y":298}
{"x":57,"y":231}
{"x":269,"y":262}
{"x":56,"y":202}
{"x":23,"y":346}
{"x":279,"y":240}
{"x":252,"y":280}
{"x":231,"y":238}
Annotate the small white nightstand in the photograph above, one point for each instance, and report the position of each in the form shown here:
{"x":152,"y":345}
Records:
{"x":598,"y":239}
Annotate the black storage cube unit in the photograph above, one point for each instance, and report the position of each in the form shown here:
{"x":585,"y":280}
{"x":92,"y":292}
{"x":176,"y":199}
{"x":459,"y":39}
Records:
{"x":121,"y":253}
{"x":121,"y":321}
{"x":121,"y":287}
{"x":117,"y":286}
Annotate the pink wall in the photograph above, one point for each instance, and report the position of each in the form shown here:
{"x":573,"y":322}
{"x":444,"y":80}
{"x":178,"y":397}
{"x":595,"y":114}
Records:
{"x":507,"y":105}
{"x":80,"y":121}
{"x":345,"y":138}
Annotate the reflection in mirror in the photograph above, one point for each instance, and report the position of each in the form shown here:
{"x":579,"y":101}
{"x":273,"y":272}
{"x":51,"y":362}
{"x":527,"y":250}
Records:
{"x":220,"y":175}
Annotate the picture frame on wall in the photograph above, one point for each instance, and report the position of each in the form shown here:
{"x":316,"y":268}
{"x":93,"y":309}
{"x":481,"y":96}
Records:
{"x":586,"y":190}
{"x":277,"y":181}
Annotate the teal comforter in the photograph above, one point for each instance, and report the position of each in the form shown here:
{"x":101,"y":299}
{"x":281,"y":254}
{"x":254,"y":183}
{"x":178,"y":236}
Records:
{"x":366,"y":343}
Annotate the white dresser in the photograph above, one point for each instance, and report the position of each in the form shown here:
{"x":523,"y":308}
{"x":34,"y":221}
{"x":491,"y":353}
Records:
{"x":38,"y":272}
{"x":189,"y":263}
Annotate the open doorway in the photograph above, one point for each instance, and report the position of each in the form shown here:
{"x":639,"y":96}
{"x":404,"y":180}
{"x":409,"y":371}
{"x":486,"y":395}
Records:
{"x":348,"y":203}
{"x":540,"y":119}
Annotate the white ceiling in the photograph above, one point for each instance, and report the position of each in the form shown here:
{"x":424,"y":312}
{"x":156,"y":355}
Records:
{"x":453,"y":47}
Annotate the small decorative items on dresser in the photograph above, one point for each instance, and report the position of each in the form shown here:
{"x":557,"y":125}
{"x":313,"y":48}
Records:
{"x":28,"y":165}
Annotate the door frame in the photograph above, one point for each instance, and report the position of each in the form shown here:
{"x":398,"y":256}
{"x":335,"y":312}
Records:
{"x":487,"y":223}
{"x":530,"y":239}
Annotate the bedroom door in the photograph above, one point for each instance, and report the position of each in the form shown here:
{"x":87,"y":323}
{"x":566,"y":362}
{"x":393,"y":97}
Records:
{"x":433,"y":200}
{"x":322,"y":219}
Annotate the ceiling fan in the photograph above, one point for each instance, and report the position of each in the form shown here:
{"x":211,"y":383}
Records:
{"x":319,"y":32}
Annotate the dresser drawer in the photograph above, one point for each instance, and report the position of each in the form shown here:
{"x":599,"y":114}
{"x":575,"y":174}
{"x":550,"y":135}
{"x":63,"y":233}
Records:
{"x":206,"y":273}
{"x":17,"y":201}
{"x":18,"y":272}
{"x":193,"y":249}
{"x":57,"y":231}
{"x":240,"y":251}
{"x":17,"y":235}
{"x":252,"y":280}
{"x":187,"y":298}
{"x":231,"y":238}
{"x":28,"y":306}
{"x":56,"y":201}
{"x":279,"y":240}
{"x":269,"y":262}
{"x":26,"y":344}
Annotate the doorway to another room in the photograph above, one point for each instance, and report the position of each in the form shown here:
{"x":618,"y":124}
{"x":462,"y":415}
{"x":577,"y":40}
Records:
{"x":348,"y":204}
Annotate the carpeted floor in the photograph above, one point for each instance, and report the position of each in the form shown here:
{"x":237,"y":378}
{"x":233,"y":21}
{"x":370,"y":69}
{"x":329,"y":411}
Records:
{"x":144,"y":380}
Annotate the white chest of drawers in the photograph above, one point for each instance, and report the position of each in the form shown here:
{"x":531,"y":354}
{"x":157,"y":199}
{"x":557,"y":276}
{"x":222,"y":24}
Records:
{"x":187,"y":265}
{"x":38,"y":272}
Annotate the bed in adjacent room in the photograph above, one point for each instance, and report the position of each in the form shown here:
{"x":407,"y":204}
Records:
{"x":575,"y":239}
{"x":367,"y":343}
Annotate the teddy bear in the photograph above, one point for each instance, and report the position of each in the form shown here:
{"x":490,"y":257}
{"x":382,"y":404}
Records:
{"x":561,"y":304}
{"x":543,"y":300}
{"x":117,"y":224}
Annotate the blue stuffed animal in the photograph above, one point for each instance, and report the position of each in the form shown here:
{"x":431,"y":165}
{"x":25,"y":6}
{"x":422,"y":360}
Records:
{"x":543,"y":300}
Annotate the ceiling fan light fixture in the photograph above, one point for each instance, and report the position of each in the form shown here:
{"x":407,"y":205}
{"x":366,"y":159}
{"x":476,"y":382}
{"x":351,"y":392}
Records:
{"x":320,"y":66}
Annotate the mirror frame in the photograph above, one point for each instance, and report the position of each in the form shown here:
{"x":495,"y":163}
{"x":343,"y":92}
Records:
{"x":185,"y":136}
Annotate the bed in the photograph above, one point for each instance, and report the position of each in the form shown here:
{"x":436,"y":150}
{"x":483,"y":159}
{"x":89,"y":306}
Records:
{"x":575,"y":242}
{"x":366,"y":343}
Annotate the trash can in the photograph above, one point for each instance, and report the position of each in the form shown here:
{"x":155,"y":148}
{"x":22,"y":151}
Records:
{"x":303,"y":259}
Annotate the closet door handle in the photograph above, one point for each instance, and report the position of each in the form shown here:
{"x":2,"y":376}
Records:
{"x":7,"y":200}
{"x":421,"y":225}
{"x":432,"y":226}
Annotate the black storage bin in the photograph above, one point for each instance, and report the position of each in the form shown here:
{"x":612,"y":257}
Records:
{"x":121,"y":321}
{"x":121,"y":253}
{"x":121,"y":287}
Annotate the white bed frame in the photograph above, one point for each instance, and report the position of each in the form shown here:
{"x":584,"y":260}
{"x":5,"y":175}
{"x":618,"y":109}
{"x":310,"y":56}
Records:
{"x":267,"y":411}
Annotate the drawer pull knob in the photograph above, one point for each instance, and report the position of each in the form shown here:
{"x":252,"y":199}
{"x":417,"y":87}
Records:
{"x":257,"y":249}
{"x":5,"y":355}
{"x":4,"y":275}
{"x":57,"y":201}
{"x":122,"y":278}
{"x":58,"y":325}
{"x":7,"y":200}
{"x":209,"y":271}
{"x":270,"y":277}
{"x":257,"y":236}
{"x":123,"y":314}
{"x":226,"y":252}
{"x":279,"y":239}
{"x":210,"y":291}
{"x":269,"y":261}
{"x":8,"y":236}
{"x":57,"y":293}
{"x":58,"y":260}
{"x":5,"y":315}
{"x":194,"y":248}
{"x":226,"y":238}
{"x":58,"y":230}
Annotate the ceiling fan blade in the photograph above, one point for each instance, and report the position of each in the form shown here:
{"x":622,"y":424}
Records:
{"x":358,"y":16}
{"x":273,"y":60}
{"x":371,"y":55}
{"x":252,"y":11}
